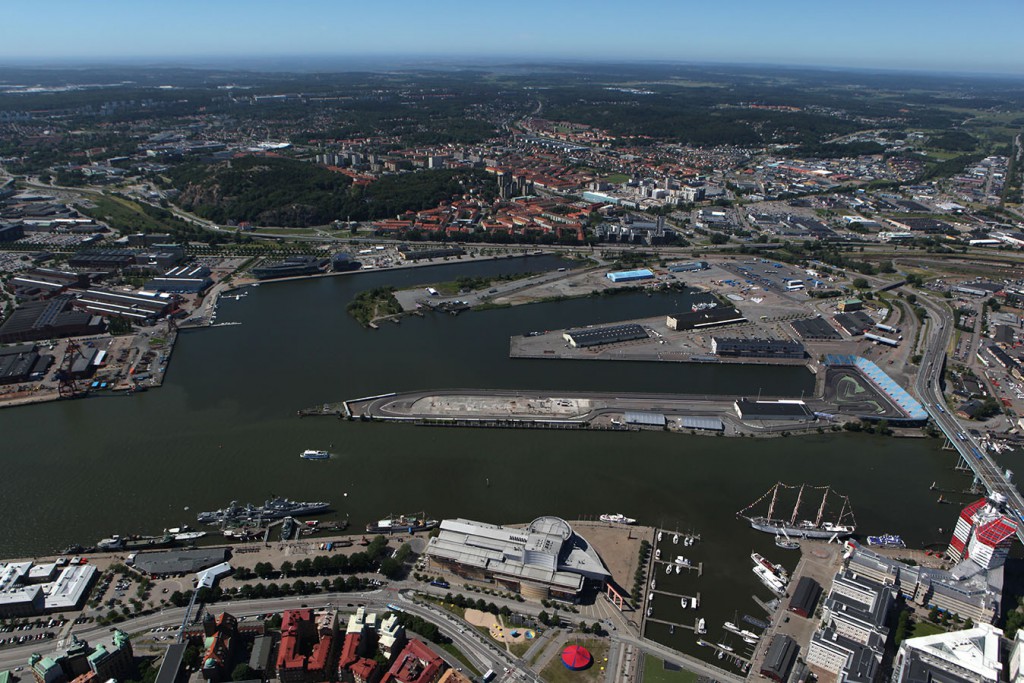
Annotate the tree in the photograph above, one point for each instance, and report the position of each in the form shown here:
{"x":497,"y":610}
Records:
{"x":860,"y":283}
{"x":242,"y":672}
{"x":190,"y":658}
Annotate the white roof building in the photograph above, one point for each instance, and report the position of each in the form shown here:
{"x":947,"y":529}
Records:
{"x":971,"y":656}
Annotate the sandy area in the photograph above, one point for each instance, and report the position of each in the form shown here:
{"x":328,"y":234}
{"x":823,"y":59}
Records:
{"x":495,"y":625}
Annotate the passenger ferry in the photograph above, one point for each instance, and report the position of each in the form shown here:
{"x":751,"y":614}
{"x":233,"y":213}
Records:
{"x":314,"y":455}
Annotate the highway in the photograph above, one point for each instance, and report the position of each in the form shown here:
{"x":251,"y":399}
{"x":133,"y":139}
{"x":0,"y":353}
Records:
{"x":928,"y":386}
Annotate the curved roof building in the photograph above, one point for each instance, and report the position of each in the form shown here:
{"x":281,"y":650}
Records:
{"x":547,"y":558}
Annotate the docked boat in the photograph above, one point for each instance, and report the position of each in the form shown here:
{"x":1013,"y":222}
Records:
{"x":649,"y":611}
{"x":774,"y":583}
{"x":186,"y":536}
{"x":786,"y":543}
{"x":776,"y":569}
{"x":650,"y":597}
{"x":679,"y":568}
{"x":654,"y":584}
{"x":695,"y":602}
{"x":729,"y":626}
{"x":314,"y":455}
{"x":684,"y":602}
{"x":287,"y":529}
{"x":841,"y":526}
{"x":750,"y":636}
{"x":617,"y":519}
{"x":750,"y":641}
{"x":657,"y":554}
{"x":402,"y":523}
{"x":682,"y":561}
{"x":675,"y":538}
{"x":115,"y":542}
{"x":702,"y":625}
{"x":723,"y":646}
{"x":275,"y":508}
{"x":659,"y":537}
{"x":887,"y":541}
{"x":668,"y":569}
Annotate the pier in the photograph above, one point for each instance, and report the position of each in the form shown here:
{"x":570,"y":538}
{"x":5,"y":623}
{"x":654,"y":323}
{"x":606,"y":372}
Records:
{"x":699,"y":567}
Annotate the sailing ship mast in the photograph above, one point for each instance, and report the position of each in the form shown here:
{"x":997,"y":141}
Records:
{"x":771,"y":507}
{"x":796,"y":508}
{"x":821,"y":510}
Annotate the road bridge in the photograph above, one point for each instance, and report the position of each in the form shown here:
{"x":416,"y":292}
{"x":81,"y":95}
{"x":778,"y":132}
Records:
{"x":928,"y":385}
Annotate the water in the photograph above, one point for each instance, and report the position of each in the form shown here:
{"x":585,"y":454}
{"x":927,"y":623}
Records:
{"x":223,"y":427}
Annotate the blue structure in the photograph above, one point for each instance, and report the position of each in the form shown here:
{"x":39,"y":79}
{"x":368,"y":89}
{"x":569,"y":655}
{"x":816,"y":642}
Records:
{"x":907,"y":403}
{"x":629,"y":275}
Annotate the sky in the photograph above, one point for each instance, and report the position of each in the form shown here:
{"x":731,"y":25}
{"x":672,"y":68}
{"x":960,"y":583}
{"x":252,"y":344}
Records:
{"x":933,"y":35}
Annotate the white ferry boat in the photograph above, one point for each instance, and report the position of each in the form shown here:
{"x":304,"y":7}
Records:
{"x":314,"y":455}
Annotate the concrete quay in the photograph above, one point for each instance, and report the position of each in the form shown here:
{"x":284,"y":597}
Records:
{"x":565,"y":410}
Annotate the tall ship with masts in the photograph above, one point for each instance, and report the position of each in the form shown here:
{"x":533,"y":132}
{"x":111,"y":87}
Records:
{"x":824,"y":525}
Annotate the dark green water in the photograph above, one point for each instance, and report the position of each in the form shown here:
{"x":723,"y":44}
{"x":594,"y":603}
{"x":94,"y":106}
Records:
{"x":223,"y":427}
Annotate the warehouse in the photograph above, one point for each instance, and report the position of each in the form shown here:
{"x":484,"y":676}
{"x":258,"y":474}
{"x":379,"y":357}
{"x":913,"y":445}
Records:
{"x":191,"y":279}
{"x":409,"y":254}
{"x":708,"y":317}
{"x":630,"y":275}
{"x":293,"y":266}
{"x":689,"y":267}
{"x":773,"y":410}
{"x":102,"y":259}
{"x":643,"y":419}
{"x":816,"y":329}
{"x":52,"y":319}
{"x":756,"y":348}
{"x":179,"y":561}
{"x":41,"y":283}
{"x":855,"y":324}
{"x":805,"y":597}
{"x":22,"y":364}
{"x":135,"y":306}
{"x":779,"y":658}
{"x":596,"y":336}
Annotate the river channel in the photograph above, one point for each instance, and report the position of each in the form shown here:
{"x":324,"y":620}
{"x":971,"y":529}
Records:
{"x":224,"y":427}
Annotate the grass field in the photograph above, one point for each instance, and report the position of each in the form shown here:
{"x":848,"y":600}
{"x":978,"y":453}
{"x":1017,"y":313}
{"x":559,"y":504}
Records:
{"x":126,"y":216}
{"x":555,"y":671}
{"x":655,"y":672}
{"x":924,"y":628}
{"x":616,"y":178}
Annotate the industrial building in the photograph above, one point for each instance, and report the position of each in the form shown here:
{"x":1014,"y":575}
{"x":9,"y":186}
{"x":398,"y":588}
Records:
{"x":139,"y":307}
{"x":630,"y":275}
{"x":546,"y":559}
{"x":23,"y":364}
{"x":191,"y":279}
{"x":293,"y":266}
{"x":51,"y":319}
{"x":106,"y":260}
{"x":790,"y":410}
{"x":597,"y":336}
{"x":43,"y":283}
{"x":83,"y":664}
{"x":984,"y":533}
{"x":757,"y":348}
{"x":704,"y":317}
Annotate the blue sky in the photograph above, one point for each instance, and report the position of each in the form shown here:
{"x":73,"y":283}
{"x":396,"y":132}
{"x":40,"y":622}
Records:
{"x":939,"y":35}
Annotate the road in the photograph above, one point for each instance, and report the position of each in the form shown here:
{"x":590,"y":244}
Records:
{"x":928,"y":386}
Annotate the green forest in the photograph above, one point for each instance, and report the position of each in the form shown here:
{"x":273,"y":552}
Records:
{"x":269,"y":191}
